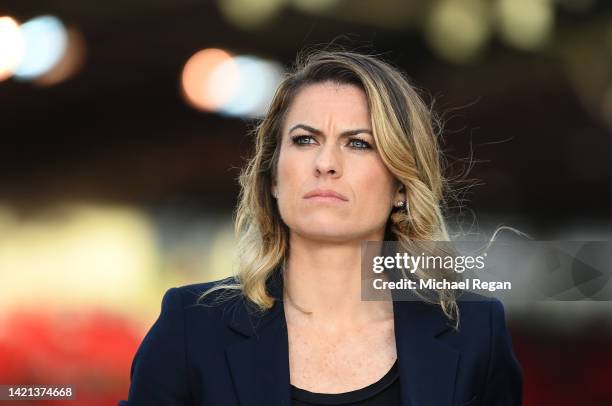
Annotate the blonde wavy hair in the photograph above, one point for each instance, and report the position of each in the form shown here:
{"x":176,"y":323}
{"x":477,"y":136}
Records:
{"x":406,"y":133}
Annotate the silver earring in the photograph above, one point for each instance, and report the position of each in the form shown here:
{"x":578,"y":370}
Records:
{"x":400,"y":203}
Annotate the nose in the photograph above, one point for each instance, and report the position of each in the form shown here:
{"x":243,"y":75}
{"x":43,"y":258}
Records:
{"x":328,"y":162}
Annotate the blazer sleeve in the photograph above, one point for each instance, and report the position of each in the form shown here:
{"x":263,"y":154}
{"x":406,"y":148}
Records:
{"x":504,"y":375}
{"x":158,"y":374}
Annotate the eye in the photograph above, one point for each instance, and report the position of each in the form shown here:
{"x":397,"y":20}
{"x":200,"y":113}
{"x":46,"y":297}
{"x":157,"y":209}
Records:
{"x":358,"y":143}
{"x":298,"y":139}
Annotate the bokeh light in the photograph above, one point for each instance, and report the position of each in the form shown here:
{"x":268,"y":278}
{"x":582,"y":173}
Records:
{"x":45,"y":43}
{"x":525,"y":24}
{"x":458,"y":29}
{"x":250,"y":14}
{"x":213,"y":80}
{"x":255,"y":86}
{"x":72,"y":61}
{"x":196,"y":85}
{"x":11,"y":47}
{"x":103,"y":256}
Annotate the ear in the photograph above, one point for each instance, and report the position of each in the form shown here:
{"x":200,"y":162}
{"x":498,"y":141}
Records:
{"x":274,"y":189}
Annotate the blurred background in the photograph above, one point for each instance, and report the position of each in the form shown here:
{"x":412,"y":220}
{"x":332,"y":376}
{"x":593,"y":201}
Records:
{"x":124,"y":125}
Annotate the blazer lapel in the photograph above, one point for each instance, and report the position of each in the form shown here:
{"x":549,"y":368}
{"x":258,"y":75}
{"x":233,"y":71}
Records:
{"x":427,"y":366}
{"x":259,"y":364}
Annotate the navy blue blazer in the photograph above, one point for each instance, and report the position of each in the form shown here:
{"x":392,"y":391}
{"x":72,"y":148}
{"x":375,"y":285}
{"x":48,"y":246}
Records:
{"x":227,"y":355}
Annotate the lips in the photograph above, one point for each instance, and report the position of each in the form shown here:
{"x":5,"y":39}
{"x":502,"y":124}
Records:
{"x":325,"y":193}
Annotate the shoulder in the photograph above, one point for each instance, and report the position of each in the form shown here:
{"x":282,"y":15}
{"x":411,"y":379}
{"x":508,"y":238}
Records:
{"x":481,"y":320}
{"x":486,"y":347}
{"x":212,"y":299}
{"x":187,"y":318}
{"x":163,"y":358}
{"x":179,"y":302}
{"x":486,"y":316}
{"x":487,"y":340}
{"x":217,"y":292}
{"x":478,"y":309}
{"x":196,"y":309}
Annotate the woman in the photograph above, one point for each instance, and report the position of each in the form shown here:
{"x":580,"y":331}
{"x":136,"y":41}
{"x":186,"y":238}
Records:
{"x":346,"y":153}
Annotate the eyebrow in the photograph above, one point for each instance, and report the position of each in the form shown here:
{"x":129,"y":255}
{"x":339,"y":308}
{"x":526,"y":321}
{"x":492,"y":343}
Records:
{"x":343,"y":134}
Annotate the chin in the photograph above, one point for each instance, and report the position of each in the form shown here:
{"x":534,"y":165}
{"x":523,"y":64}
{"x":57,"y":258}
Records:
{"x":328,"y":231}
{"x":325,"y":237}
{"x":324,"y":224}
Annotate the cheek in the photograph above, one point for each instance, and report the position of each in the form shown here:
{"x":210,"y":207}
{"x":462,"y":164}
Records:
{"x":290,"y":172}
{"x":374,"y":188}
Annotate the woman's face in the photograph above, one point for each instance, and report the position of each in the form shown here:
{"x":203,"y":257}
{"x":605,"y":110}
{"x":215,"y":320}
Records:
{"x":327,"y":146}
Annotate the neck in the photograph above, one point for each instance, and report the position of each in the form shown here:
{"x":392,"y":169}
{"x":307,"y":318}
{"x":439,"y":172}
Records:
{"x":323,"y":284}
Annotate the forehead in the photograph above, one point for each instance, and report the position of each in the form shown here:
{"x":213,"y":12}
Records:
{"x":324,"y":103}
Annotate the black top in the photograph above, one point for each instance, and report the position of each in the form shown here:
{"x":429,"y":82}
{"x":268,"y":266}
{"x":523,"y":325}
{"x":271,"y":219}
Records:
{"x":386,"y":391}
